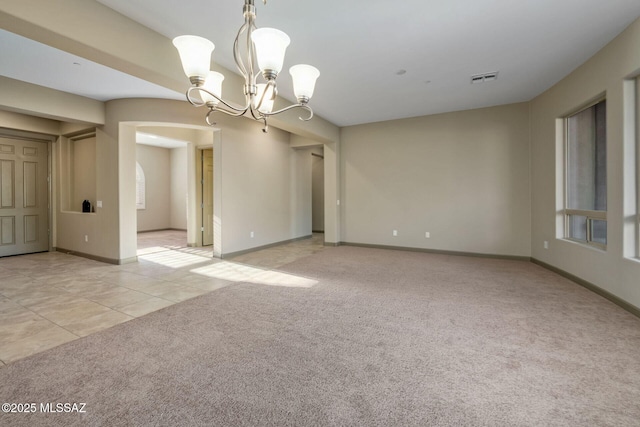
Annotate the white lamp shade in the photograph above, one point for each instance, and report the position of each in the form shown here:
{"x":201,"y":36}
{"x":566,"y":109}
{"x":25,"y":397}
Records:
{"x":195,"y":54}
{"x":267,"y":103}
{"x":270,"y":45}
{"x":304,"y":79}
{"x":213,"y":83}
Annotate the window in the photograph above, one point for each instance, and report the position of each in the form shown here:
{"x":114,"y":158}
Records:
{"x":586,"y":176}
{"x":140,"y":187}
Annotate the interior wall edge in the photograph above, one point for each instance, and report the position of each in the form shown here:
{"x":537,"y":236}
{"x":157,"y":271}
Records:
{"x":270,"y":245}
{"x":96,"y":257}
{"x":438,"y":251}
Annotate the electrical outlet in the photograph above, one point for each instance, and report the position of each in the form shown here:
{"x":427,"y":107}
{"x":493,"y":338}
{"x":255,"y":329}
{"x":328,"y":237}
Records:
{"x":546,"y":244}
{"x":99,"y":203}
{"x":427,"y":235}
{"x":395,"y":232}
{"x":251,"y":234}
{"x":86,"y":238}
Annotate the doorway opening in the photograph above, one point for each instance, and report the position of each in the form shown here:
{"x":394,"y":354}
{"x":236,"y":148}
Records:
{"x":161,"y":189}
{"x":206,"y":194}
{"x":317,"y":190}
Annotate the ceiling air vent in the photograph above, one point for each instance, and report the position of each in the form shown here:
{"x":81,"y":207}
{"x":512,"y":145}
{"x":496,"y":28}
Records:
{"x":485,"y":77}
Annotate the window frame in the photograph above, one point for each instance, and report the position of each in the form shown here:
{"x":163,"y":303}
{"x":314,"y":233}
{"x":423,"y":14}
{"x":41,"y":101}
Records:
{"x":637,"y":165}
{"x":590,"y":215}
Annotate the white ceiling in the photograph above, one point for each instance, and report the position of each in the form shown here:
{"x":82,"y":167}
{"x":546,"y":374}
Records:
{"x":359,"y":47}
{"x":159,"y":140}
{"x":36,"y":63}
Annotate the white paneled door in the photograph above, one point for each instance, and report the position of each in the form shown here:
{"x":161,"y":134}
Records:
{"x":24,"y":200}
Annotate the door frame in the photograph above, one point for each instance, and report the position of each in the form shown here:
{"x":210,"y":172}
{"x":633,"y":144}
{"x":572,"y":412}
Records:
{"x":49,"y":140}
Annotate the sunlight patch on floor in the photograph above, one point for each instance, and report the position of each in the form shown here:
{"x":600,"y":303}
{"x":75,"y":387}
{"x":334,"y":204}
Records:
{"x":171,"y":258}
{"x":151,"y":250}
{"x":244,"y":273}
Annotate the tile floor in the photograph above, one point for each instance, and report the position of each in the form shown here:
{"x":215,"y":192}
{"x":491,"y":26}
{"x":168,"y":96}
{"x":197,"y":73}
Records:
{"x":50,"y":298}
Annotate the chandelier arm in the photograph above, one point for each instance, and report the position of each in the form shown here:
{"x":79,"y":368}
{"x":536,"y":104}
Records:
{"x":193,"y":101}
{"x":260,"y":117}
{"x":253,"y":110}
{"x":291,"y":107}
{"x":251,"y":77}
{"x":310,"y":111}
{"x":247,"y":70}
{"x":230,"y":113}
{"x":270,"y":83}
{"x":236,"y":50}
{"x":210,"y":123}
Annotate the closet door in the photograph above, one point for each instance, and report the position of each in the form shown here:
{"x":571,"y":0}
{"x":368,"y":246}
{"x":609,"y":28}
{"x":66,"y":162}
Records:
{"x":24,"y":202}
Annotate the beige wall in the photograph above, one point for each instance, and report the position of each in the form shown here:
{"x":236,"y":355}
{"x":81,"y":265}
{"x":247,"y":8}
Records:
{"x":156,"y":164}
{"x":90,"y":30}
{"x":463,"y":177}
{"x":166,"y":188}
{"x":254,"y":183}
{"x":608,"y":72}
{"x":27,"y":123}
{"x":101,"y":227}
{"x":255,"y":187}
{"x":48,"y":103}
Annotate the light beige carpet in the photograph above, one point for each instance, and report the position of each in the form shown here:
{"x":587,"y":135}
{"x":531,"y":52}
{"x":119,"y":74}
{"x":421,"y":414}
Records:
{"x":385,"y":338}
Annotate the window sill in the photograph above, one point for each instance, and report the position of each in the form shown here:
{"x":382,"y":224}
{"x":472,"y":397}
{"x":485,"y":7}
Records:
{"x":635,"y":260}
{"x":584,"y":245}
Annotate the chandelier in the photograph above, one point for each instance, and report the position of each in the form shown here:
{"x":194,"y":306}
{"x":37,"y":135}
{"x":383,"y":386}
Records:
{"x":261,"y":47}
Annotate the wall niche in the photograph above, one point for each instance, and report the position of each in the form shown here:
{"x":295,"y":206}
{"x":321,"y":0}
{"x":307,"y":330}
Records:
{"x":78,"y":171}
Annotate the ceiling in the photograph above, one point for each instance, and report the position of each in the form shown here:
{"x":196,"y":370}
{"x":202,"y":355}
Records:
{"x":23,"y":59}
{"x":379,"y":60}
{"x":161,"y":141}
